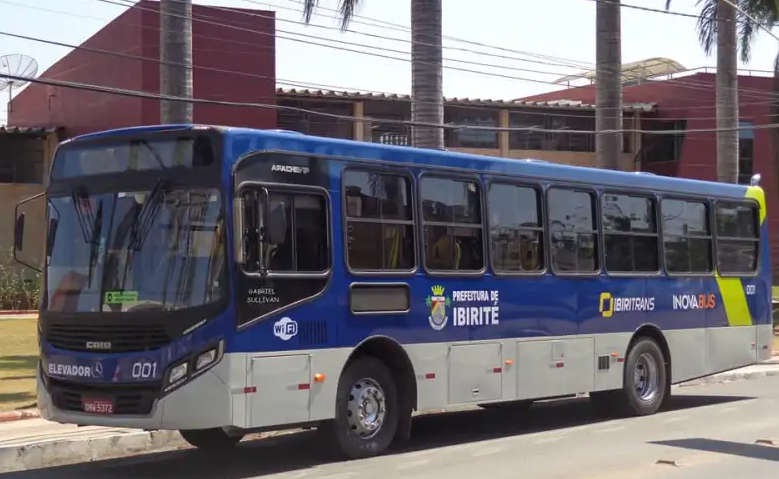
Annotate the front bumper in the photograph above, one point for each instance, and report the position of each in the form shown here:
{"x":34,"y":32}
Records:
{"x":204,"y":402}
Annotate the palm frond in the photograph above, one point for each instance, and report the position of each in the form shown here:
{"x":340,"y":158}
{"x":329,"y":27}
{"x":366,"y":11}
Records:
{"x":346,"y":8}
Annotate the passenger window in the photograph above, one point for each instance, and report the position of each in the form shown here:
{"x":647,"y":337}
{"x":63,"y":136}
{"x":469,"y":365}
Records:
{"x":738,"y":237}
{"x":686,"y":236}
{"x":305,"y":246}
{"x":379,"y":221}
{"x":516,"y":231}
{"x":574,"y":237}
{"x":451,"y":218}
{"x":630,"y":233}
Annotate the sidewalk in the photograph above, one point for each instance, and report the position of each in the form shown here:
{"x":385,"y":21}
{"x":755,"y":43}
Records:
{"x":36,"y":443}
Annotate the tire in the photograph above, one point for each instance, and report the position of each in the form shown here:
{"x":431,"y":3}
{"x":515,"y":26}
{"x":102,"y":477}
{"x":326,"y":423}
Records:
{"x":645,"y":383}
{"x":365,"y":383}
{"x":210,"y":439}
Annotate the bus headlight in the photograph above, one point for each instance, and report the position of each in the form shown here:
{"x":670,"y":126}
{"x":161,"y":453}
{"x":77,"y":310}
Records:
{"x":177,"y":373}
{"x":205,"y":359}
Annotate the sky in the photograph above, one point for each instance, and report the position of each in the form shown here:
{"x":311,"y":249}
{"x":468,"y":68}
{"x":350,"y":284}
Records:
{"x":520,"y":47}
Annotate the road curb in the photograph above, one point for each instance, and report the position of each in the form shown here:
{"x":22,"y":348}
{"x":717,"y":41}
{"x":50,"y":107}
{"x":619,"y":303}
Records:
{"x":9,"y":416}
{"x":76,"y":450}
{"x":731,"y":376}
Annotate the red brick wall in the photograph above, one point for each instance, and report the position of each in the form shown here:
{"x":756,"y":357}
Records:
{"x":239,"y":49}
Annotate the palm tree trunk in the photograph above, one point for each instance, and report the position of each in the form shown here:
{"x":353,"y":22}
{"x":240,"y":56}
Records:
{"x":608,"y":113}
{"x":176,"y":48}
{"x":727,"y":93}
{"x":427,"y":90}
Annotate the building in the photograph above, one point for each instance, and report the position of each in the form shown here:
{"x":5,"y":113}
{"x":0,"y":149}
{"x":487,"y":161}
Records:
{"x":569,"y":148}
{"x":234,"y":54}
{"x":689,"y":103}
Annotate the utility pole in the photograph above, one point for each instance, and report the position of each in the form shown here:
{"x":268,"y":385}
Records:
{"x":176,"y":60}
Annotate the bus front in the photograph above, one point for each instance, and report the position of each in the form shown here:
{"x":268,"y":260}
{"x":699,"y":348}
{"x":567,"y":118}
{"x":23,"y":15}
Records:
{"x":135,"y":293}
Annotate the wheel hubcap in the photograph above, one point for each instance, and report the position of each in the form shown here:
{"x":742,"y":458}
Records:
{"x":367,"y":408}
{"x":646,"y":377}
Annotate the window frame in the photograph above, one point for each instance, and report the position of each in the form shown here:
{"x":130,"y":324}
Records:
{"x":706,"y":201}
{"x":758,"y":239}
{"x":291,"y":189}
{"x":389,"y":171}
{"x":541,"y":204}
{"x":598,"y":231}
{"x":463,"y":177}
{"x":658,"y":234}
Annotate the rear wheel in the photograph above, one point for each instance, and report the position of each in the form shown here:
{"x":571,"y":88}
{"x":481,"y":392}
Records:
{"x":645,"y":383}
{"x":367,"y":409}
{"x":215,"y":439}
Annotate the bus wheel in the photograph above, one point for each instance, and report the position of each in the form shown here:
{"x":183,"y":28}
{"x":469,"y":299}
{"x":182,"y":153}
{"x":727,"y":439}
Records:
{"x":367,"y":408}
{"x":215,"y":439}
{"x":645,"y":383}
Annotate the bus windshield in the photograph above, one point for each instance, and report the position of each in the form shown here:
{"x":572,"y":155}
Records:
{"x":123,"y":251}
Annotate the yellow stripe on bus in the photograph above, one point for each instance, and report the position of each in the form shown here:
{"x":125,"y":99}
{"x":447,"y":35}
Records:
{"x":757,"y":194}
{"x":734,"y":299}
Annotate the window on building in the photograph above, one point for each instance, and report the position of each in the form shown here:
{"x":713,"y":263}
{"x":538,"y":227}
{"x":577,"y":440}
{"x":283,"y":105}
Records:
{"x":573,"y":230}
{"x":746,"y":152}
{"x":379,"y":221}
{"x":662,"y":147}
{"x":559,"y":138}
{"x":737,"y":237}
{"x":630,"y":234}
{"x":516,"y":231}
{"x":687,"y":237}
{"x":451,"y":218}
{"x":21,"y":159}
{"x":471,"y":138}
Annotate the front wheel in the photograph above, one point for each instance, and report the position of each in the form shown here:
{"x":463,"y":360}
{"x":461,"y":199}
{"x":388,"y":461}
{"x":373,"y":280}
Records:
{"x":367,"y":409}
{"x":215,"y":439}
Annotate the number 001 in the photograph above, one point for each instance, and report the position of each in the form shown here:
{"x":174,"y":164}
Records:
{"x":751,"y":290}
{"x":144,"y":370}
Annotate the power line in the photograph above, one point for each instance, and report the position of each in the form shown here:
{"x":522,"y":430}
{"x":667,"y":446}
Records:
{"x":451,"y":126}
{"x":691,"y":85}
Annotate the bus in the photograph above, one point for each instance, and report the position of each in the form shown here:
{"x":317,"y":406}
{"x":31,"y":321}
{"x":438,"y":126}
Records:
{"x":223,"y":281}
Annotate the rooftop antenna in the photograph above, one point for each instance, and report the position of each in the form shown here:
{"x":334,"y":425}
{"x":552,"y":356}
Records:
{"x":23,"y":67}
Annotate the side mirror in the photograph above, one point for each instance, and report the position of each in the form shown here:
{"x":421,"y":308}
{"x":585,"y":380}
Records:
{"x":239,"y":212}
{"x":277,"y":223}
{"x":19,"y":233}
{"x":52,"y":234}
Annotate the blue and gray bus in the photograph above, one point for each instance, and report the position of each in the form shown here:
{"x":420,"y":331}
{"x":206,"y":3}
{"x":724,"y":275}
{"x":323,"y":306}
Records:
{"x":222,"y":281}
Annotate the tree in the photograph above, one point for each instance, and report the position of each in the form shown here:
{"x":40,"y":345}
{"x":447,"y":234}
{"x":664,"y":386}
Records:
{"x":718,"y":22}
{"x":427,"y":105}
{"x":608,"y":64}
{"x":176,"y":60}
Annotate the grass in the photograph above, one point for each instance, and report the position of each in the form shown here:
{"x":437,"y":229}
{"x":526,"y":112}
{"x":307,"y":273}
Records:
{"x":18,"y":360}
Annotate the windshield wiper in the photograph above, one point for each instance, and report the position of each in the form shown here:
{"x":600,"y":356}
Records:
{"x":97,"y":227}
{"x":145,"y":216}
{"x":84,"y":219}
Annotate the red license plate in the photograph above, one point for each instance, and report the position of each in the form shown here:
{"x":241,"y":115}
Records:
{"x":98,"y":406}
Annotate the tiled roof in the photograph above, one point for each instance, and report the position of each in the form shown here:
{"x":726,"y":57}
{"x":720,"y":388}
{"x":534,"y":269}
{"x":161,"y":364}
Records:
{"x":356,"y":95}
{"x":26,"y":130}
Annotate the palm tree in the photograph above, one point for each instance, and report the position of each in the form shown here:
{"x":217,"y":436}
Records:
{"x":176,"y":59}
{"x":608,"y":64}
{"x":427,"y":105}
{"x":719,"y":22}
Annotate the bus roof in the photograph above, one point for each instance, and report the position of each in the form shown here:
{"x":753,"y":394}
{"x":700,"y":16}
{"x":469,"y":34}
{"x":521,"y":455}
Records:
{"x":528,"y":168}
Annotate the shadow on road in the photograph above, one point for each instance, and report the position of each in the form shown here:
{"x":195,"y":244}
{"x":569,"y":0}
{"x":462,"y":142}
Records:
{"x":749,"y":451}
{"x":299,"y":451}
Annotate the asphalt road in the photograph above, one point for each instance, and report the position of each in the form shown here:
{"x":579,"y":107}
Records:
{"x":710,"y":431}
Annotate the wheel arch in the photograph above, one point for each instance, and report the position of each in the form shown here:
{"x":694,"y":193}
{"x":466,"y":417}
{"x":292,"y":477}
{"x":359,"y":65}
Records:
{"x":395,"y":357}
{"x":651,"y":331}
